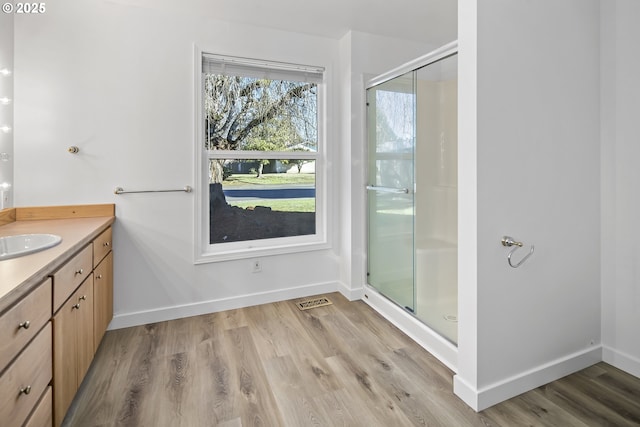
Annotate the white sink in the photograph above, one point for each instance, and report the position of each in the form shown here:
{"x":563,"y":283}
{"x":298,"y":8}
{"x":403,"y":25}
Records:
{"x":24,"y":244}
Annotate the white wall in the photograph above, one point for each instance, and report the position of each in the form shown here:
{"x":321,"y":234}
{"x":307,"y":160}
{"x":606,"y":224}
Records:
{"x":6,"y":111}
{"x":620,"y":93}
{"x":531,"y":80}
{"x":118,"y":82}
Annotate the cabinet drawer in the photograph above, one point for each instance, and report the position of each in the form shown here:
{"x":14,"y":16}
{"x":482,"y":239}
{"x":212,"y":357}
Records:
{"x":25,"y":380}
{"x":23,"y":321}
{"x":68,"y":278}
{"x":101,"y":246}
{"x":43,"y":415}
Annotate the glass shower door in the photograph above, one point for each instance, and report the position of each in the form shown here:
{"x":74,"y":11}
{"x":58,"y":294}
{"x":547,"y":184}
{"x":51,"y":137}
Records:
{"x":391,"y":110}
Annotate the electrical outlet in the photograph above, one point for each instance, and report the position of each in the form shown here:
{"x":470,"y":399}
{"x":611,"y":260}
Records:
{"x":256,"y":266}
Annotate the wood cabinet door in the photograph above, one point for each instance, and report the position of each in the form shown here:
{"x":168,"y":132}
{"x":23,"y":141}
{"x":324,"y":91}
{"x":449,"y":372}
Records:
{"x":84,"y":327}
{"x":73,"y":348}
{"x":65,"y":359}
{"x":103,"y":298}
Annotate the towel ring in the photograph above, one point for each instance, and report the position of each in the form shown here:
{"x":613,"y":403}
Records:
{"x":510,"y":242}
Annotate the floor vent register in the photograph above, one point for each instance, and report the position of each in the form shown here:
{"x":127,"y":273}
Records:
{"x":313,"y":303}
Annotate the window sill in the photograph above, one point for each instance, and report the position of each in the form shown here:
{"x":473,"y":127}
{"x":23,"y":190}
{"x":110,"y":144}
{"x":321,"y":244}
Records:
{"x":252,"y":251}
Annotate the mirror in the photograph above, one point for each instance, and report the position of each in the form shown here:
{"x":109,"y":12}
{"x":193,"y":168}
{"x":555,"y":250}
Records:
{"x":6,"y":110}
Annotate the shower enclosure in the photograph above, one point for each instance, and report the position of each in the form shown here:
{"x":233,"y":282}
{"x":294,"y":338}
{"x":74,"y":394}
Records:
{"x":412,"y":189}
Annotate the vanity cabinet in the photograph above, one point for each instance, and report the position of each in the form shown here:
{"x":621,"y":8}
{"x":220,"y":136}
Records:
{"x":25,"y":356}
{"x":55,"y":306}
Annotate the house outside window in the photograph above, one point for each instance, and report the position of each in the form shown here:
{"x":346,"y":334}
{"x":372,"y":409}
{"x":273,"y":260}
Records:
{"x":260,"y":157}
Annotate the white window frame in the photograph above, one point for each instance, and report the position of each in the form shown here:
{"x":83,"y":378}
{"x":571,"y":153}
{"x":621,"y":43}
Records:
{"x":206,"y":252}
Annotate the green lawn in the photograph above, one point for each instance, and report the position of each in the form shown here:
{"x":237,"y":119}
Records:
{"x":236,"y":180}
{"x":283,"y":205}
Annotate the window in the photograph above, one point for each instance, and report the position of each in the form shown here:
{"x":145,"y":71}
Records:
{"x":260,"y":158}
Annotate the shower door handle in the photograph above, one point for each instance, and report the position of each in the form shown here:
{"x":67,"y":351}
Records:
{"x":388,"y":189}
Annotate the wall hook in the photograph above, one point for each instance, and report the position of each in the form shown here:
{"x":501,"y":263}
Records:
{"x":511,"y":242}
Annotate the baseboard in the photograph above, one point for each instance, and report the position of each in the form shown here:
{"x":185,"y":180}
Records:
{"x":162,"y":314}
{"x":620,"y":360}
{"x":518,"y":384}
{"x":466,"y":392}
{"x":350,"y":294}
{"x":442,"y":349}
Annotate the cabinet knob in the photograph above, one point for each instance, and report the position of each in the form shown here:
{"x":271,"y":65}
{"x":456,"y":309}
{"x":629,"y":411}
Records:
{"x":76,"y":306}
{"x":99,"y":276}
{"x":83,"y":298}
{"x":24,"y":324}
{"x":106,"y":244}
{"x":25,"y":390}
{"x":80,"y":271}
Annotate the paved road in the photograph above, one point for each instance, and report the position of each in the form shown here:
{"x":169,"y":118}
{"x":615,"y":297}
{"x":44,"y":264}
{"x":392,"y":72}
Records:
{"x":270,"y":192}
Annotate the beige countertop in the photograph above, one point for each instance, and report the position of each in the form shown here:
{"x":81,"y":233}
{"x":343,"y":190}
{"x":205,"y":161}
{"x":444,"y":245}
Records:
{"x":18,"y":276}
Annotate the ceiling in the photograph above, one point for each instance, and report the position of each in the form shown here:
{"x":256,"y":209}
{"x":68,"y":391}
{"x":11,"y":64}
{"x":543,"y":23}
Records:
{"x":427,"y":21}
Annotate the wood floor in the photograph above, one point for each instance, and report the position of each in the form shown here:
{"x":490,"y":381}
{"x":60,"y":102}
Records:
{"x":339,"y":365}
